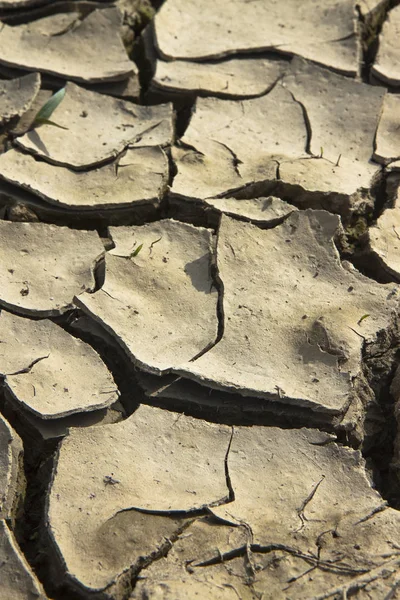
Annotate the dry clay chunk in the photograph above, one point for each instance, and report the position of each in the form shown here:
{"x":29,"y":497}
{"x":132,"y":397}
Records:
{"x":324,"y":32}
{"x":387,"y":63}
{"x":229,"y":143}
{"x":10,"y":462}
{"x":289,"y":461}
{"x":17,"y":95}
{"x":295,"y":490}
{"x":50,"y":372}
{"x":154,"y":460}
{"x":321,"y":183}
{"x":176,"y":577}
{"x":140,"y":175}
{"x":292,"y":314}
{"x":88,"y":50}
{"x":360,"y":556}
{"x":343,"y":114}
{"x":43,"y":266}
{"x":18,"y":582}
{"x":230,"y":78}
{"x":12,"y":4}
{"x":268,"y":211}
{"x":160,"y":305}
{"x":384,"y":239}
{"x":388,"y":134}
{"x":98,"y":128}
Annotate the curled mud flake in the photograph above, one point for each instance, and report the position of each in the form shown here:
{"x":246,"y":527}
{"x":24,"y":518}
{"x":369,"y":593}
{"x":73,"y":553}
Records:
{"x":89,"y":51}
{"x":268,"y":212}
{"x":138,"y":177}
{"x":49,"y":372}
{"x":231,"y":78}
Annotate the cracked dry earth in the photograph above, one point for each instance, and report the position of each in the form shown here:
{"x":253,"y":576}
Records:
{"x":199,"y":300}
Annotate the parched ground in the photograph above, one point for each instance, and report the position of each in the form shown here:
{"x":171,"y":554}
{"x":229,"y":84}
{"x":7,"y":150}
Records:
{"x":199,"y":300}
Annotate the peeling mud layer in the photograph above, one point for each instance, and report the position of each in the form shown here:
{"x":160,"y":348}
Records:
{"x":199,"y":300}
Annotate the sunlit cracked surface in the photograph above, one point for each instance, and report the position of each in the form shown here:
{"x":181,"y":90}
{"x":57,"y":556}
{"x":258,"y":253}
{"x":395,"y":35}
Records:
{"x":199,"y":269}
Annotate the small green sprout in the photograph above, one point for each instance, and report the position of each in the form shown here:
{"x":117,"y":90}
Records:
{"x":361,"y":319}
{"x":136,"y":251}
{"x":44,"y":114}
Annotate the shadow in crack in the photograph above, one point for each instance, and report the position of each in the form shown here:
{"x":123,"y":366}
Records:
{"x":196,"y":270}
{"x":35,"y":138}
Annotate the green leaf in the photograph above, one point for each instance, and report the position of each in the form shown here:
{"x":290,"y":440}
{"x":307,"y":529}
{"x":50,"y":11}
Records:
{"x":40,"y":121}
{"x":49,"y":107}
{"x":362,"y":319}
{"x":136,"y":251}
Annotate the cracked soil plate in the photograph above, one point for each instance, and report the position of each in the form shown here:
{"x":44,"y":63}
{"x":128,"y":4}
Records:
{"x":43,"y":266}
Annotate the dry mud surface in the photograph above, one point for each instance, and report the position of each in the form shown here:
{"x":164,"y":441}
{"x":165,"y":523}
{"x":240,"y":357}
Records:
{"x":199,"y":300}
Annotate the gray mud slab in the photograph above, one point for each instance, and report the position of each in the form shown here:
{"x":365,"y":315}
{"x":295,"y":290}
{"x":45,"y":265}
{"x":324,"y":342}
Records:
{"x":325,"y":33}
{"x":336,"y":475}
{"x":88,"y":50}
{"x":43,"y":266}
{"x":388,"y":133}
{"x":384,"y":239}
{"x":315,"y":152}
{"x":230,"y":143}
{"x":244,"y":77}
{"x":294,"y":316}
{"x":387,"y":62}
{"x":265,"y":211}
{"x":280,"y":571}
{"x":98,"y":128}
{"x":14,"y":4}
{"x":139,"y":176}
{"x":41,"y":430}
{"x":182,"y":394}
{"x":316,"y":510}
{"x":49,"y":372}
{"x":154,"y":461}
{"x":161,"y":305}
{"x":11,"y":452}
{"x":17,"y":95}
{"x":174,"y":575}
{"x":18,"y":581}
{"x":342,"y":187}
{"x":343,"y":114}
